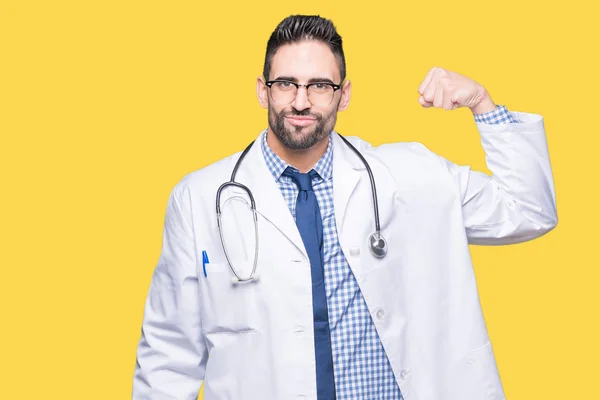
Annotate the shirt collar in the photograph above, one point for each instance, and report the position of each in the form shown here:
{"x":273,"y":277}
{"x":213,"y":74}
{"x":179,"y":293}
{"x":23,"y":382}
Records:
{"x":323,"y":167}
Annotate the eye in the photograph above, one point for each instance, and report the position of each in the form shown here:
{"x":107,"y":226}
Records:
{"x":321,"y":88}
{"x":284,"y":84}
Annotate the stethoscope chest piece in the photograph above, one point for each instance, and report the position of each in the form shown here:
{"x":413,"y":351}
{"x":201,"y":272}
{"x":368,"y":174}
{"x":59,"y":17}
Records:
{"x":377,"y":245}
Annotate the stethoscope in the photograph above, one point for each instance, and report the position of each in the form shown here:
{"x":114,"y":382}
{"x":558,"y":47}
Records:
{"x":376,"y":241}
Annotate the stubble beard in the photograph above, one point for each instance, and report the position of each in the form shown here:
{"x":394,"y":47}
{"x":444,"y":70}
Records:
{"x":301,"y":137}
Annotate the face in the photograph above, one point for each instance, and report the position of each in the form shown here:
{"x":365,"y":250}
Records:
{"x":300,"y":124}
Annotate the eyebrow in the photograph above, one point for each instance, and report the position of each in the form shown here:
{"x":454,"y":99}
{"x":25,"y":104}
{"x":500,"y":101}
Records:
{"x":311,"y":80}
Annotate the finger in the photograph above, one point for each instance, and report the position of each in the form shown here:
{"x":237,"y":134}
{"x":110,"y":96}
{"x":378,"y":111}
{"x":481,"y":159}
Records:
{"x":438,"y":97}
{"x":426,"y":81}
{"x":447,"y":102}
{"x":429,"y":91}
{"x":424,"y":103}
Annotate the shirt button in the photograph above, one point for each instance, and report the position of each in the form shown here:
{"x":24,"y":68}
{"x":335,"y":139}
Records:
{"x":354,"y":251}
{"x":298,"y":330}
{"x":380,"y":314}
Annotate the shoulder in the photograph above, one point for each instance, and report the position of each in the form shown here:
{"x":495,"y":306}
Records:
{"x":408,"y":162}
{"x":415,"y":151}
{"x":206,"y":180}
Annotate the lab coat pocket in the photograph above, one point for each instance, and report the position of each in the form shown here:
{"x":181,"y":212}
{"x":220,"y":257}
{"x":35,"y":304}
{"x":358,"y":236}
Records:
{"x":478,"y":376}
{"x":226,"y":307}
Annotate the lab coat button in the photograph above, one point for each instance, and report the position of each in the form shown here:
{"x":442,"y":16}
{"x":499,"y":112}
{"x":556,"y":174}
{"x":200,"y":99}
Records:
{"x":380,"y":314}
{"x":354,"y":251}
{"x":403,"y":374}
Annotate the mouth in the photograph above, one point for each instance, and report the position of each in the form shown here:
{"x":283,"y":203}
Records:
{"x":300,"y":121}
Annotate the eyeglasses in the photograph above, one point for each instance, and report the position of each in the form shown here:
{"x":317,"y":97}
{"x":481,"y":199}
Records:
{"x":319,"y":94}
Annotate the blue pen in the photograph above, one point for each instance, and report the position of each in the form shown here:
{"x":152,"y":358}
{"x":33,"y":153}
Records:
{"x":204,"y":261}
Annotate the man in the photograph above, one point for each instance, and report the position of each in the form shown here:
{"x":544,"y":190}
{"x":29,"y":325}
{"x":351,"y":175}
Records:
{"x":328,"y":315}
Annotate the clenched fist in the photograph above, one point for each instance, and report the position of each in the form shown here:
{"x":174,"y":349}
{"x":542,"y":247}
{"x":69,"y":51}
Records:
{"x":449,"y":90}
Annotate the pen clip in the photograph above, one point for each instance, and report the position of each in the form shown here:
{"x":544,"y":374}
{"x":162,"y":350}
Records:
{"x":204,"y":261}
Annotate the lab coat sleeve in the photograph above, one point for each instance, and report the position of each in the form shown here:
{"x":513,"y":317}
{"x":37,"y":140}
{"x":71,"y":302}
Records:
{"x":517,"y":202}
{"x":171,"y":353}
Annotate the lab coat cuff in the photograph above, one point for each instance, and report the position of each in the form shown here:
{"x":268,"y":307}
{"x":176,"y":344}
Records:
{"x":528,"y":122}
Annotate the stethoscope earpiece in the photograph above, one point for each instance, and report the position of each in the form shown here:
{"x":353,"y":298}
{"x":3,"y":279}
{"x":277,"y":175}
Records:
{"x":254,"y":278}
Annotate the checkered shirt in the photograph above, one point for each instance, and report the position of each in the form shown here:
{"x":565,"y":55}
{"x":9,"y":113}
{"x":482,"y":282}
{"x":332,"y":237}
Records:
{"x":361,"y":368}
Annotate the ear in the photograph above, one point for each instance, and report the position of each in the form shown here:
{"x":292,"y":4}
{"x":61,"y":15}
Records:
{"x":345,"y":99}
{"x":262,"y":92}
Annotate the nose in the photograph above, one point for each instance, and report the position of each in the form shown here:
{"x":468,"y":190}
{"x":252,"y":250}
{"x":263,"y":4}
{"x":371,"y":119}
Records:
{"x":301,"y":101}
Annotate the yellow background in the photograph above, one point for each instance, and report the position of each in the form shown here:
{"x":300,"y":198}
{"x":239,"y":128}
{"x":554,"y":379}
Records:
{"x":105,"y":105}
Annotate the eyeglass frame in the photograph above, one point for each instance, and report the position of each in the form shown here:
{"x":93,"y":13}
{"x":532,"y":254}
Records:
{"x":306,"y":85}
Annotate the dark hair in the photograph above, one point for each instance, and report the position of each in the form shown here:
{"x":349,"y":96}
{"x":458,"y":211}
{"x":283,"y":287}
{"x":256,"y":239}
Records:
{"x":296,"y":28}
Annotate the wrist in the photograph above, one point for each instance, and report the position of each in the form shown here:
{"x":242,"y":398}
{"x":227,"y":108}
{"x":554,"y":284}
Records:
{"x":485,"y":105}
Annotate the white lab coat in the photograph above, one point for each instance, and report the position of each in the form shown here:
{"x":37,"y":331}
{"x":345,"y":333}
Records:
{"x":254,"y":340}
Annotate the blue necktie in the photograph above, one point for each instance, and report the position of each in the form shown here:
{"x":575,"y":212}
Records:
{"x":308,"y":220}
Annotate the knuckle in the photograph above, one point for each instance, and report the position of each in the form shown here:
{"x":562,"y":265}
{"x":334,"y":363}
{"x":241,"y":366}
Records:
{"x":445,"y":81}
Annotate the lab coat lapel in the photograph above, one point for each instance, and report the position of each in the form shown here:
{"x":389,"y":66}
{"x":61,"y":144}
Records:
{"x":353,"y":200}
{"x":270,"y":203}
{"x":345,"y":179}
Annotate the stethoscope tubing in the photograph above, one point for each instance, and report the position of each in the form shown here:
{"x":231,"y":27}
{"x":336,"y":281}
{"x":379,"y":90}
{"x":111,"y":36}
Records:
{"x":375,"y":236}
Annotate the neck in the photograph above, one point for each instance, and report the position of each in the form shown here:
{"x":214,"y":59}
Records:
{"x":303,"y":160}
